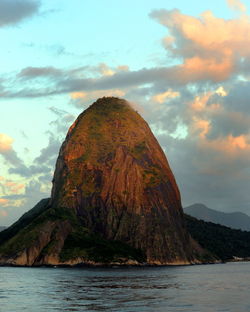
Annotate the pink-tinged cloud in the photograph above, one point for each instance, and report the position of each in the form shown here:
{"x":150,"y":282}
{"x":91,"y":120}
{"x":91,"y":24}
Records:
{"x":200,"y":127}
{"x":82,"y":98}
{"x":165,"y":96}
{"x":217,"y":129}
{"x":3,"y":201}
{"x":5,"y":143}
{"x":230,"y":146}
{"x":7,"y":151}
{"x":210,"y":48}
{"x":13,"y":187}
{"x":228,"y":157}
{"x":209,"y":117}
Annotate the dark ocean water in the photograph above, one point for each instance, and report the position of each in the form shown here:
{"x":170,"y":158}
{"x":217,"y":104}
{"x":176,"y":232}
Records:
{"x":221,"y":287}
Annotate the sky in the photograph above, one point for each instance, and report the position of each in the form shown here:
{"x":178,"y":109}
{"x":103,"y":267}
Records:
{"x":185,"y":66}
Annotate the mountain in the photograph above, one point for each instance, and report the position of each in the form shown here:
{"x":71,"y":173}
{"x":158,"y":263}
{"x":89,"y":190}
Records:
{"x":225,"y":243}
{"x":2,"y":228}
{"x":236,"y":220}
{"x":114,"y":200}
{"x":25,"y":220}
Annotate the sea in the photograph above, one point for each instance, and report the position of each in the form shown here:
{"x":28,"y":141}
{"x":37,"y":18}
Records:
{"x":208,"y":288}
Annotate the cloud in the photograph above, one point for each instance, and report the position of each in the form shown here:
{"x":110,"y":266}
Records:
{"x":105,"y":70}
{"x":238,"y":97}
{"x":164,"y":96}
{"x":13,"y":187}
{"x":215,"y":56}
{"x":29,"y":171}
{"x":226,"y":123}
{"x":71,"y":82}
{"x":16,"y":205}
{"x":49,"y":154}
{"x":237,"y":5}
{"x":214,"y":172}
{"x":7,"y":151}
{"x":14,"y":11}
{"x":43,"y":164}
{"x":34,"y":181}
{"x":5,"y":143}
{"x":3,"y":213}
{"x":60,"y":125}
{"x":3,"y":202}
{"x":37,"y":72}
{"x":80,"y":99}
{"x":197,"y":105}
{"x":205,"y":132}
{"x":10,"y":192}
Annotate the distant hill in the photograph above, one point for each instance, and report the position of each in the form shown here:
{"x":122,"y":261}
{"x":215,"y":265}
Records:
{"x":235,"y":220}
{"x":223,"y":242}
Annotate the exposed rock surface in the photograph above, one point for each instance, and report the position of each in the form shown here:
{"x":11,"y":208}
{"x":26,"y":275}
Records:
{"x":114,"y":199}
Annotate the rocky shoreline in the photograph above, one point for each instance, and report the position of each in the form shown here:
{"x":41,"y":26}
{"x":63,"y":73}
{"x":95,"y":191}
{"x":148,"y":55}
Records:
{"x":91,"y":264}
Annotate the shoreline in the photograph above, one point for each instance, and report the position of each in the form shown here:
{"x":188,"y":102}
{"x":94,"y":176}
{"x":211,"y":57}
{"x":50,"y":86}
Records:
{"x":108,"y":266}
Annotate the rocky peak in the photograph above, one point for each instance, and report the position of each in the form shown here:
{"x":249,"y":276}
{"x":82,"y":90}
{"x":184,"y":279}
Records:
{"x":114,"y":196}
{"x":113,"y":173}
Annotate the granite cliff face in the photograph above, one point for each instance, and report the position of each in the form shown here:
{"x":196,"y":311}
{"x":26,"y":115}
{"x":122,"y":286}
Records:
{"x":114,"y":199}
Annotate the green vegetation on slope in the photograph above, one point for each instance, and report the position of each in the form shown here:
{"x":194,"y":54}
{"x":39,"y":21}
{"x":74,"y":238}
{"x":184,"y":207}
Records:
{"x":222,"y":241}
{"x":80,"y":242}
{"x":25,"y":232}
{"x":93,"y":247}
{"x":24,"y":221}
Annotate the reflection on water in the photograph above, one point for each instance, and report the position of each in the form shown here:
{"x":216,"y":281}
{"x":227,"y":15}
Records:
{"x":192,"y":288}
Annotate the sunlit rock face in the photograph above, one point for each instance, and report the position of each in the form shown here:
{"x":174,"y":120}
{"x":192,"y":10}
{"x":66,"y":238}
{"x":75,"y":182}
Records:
{"x":114,"y":198}
{"x":113,"y":173}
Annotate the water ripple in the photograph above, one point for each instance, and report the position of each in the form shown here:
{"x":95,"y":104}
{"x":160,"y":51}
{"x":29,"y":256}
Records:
{"x":215,"y":288}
